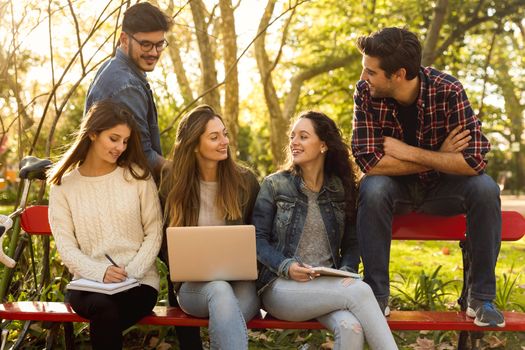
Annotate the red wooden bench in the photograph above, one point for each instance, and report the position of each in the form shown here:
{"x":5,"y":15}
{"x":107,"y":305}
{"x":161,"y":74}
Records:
{"x":406,"y":227}
{"x":174,"y":316}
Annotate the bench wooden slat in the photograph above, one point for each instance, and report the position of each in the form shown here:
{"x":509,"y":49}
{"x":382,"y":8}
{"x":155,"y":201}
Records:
{"x":417,"y":226}
{"x":174,"y":316}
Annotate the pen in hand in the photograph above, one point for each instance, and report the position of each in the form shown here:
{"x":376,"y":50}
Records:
{"x":115,"y":274}
{"x":111,"y":260}
{"x":301,"y":264}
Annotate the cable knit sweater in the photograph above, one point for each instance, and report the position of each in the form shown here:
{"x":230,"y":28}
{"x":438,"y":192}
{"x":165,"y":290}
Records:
{"x":113,"y":214}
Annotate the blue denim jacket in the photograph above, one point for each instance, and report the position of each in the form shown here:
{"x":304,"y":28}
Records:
{"x":122,"y":81}
{"x":279,"y":216}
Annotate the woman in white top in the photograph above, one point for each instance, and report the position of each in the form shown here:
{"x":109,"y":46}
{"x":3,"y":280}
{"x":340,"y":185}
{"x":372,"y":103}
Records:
{"x":103,"y":201}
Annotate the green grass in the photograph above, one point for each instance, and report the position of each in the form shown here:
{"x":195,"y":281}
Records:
{"x":5,"y":209}
{"x":411,"y":257}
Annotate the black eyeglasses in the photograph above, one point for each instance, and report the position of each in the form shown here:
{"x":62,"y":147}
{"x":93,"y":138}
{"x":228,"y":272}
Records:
{"x":147,"y":46}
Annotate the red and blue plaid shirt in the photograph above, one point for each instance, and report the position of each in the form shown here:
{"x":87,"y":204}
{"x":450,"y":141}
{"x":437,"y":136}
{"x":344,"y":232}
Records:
{"x":442,"y":105}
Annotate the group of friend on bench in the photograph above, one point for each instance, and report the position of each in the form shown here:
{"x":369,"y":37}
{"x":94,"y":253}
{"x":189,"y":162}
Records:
{"x":415,"y":137}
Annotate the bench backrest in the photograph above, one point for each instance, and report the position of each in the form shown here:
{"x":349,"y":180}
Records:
{"x":34,"y":220}
{"x":413,"y":226}
{"x":416,"y":226}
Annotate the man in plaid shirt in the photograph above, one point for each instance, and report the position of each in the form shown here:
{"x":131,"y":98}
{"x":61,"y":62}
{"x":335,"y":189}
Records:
{"x":416,"y":138}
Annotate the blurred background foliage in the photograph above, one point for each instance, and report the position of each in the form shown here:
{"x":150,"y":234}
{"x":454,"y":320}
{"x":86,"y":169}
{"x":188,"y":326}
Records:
{"x":290,"y":56}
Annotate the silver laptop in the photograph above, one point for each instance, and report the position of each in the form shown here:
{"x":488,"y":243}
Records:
{"x":210,"y":253}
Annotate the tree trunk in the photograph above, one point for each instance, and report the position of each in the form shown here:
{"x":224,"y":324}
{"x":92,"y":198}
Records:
{"x":278,"y":124}
{"x":209,"y":73}
{"x":514,"y":110}
{"x":178,"y":67}
{"x":231,"y":94}
{"x":429,"y":49}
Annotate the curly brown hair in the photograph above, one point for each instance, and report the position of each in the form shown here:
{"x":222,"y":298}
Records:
{"x":338,"y":161}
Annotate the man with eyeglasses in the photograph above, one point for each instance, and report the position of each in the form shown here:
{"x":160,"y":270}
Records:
{"x":123,"y":79}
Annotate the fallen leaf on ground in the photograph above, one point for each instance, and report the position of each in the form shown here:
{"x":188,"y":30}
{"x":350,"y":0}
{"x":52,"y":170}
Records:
{"x":163,"y":346}
{"x":495,"y":342}
{"x":328,"y":345}
{"x":423,"y":344}
{"x":446,"y":346}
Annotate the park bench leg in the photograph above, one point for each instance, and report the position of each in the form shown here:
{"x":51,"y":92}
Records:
{"x":463,"y":340}
{"x":464,"y":336}
{"x":69,"y":335}
{"x":475,"y":340}
{"x":54,"y":328}
{"x":462,"y":301}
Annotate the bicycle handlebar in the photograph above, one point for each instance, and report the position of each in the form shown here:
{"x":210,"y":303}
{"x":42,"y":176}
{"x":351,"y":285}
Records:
{"x":5,"y":225}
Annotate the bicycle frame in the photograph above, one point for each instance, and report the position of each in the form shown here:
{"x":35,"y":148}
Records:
{"x":7,"y":273}
{"x":31,"y":168}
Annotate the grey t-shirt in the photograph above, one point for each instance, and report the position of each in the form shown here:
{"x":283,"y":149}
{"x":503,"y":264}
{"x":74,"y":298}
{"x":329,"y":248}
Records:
{"x":314,"y":248}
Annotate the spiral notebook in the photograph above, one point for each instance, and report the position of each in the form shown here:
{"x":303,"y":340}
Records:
{"x":105,"y":288}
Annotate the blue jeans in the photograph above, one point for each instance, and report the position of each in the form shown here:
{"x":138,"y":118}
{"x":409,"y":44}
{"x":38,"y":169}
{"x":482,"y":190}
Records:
{"x":350,"y":311}
{"x":228,"y":305}
{"x":380,"y":197}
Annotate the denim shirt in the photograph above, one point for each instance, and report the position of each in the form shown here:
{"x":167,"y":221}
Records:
{"x":279,"y":216}
{"x":122,"y":81}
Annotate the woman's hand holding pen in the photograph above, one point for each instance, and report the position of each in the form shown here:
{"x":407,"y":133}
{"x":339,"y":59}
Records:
{"x":301,"y":272}
{"x":114,"y":273}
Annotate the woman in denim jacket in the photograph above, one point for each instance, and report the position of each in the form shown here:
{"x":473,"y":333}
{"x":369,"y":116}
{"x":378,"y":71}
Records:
{"x":304,"y":217}
{"x":203,"y":186}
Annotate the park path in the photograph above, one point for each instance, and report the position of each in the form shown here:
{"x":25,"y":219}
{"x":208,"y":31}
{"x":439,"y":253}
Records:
{"x":513,"y":203}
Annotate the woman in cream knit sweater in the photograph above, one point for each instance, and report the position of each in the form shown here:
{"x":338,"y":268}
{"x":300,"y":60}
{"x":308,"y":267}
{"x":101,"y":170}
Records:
{"x":103,"y":200}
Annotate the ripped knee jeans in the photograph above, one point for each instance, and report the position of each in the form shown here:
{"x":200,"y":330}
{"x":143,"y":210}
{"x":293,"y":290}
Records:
{"x":347,"y":307}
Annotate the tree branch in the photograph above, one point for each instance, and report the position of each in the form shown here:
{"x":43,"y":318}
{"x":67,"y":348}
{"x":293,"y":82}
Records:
{"x":462,"y":29}
{"x":485,"y":70}
{"x":283,"y":41}
{"x":77,"y":32}
{"x":298,"y":80}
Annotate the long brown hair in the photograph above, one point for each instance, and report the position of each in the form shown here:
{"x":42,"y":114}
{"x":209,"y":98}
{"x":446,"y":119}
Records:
{"x":180,"y":179}
{"x":103,"y":115}
{"x":337,"y":161}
